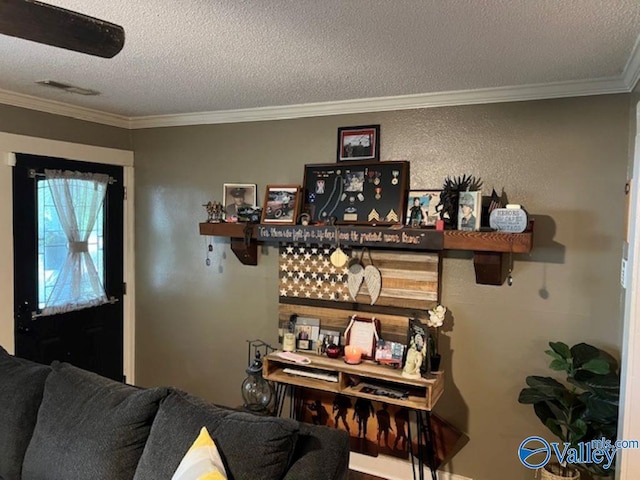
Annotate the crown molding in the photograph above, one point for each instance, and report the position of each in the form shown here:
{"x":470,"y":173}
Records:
{"x":60,"y":108}
{"x":579,"y":88}
{"x":381,"y":104}
{"x":631,"y":72}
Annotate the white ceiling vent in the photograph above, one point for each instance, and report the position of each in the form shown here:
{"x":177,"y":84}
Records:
{"x":68,"y":88}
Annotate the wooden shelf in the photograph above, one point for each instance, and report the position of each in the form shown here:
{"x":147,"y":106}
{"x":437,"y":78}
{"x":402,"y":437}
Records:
{"x":488,"y":241}
{"x":425,"y":392}
{"x":489,"y":261}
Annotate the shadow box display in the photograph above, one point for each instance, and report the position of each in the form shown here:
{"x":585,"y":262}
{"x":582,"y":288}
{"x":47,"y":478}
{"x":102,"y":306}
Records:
{"x":356,"y":193}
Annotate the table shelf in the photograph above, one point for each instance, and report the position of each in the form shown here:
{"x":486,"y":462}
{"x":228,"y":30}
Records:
{"x":424,"y":392}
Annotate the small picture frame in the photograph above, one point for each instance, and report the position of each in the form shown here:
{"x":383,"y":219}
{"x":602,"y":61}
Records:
{"x":307,"y":332}
{"x":359,"y":143}
{"x":281,"y":204}
{"x":364,"y":333}
{"x":238,"y":195}
{"x":469,"y":210}
{"x":421,"y":208}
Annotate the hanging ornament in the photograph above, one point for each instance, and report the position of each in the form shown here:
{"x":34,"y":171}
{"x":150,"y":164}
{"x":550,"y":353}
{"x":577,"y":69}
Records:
{"x":338,"y":257}
{"x":209,"y":250}
{"x":355,"y":277}
{"x":372,"y":279}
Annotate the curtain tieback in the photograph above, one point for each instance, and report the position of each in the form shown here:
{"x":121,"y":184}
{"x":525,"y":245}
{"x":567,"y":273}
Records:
{"x":78,"y":247}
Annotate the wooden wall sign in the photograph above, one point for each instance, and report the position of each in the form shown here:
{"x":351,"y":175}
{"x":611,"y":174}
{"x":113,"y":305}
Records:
{"x":386,"y":237}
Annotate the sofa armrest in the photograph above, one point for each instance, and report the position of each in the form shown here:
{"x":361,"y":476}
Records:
{"x":321,"y":453}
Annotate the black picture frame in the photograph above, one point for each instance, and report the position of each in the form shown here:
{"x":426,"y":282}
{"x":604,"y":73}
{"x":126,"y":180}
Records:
{"x":361,"y":143}
{"x":356,"y":193}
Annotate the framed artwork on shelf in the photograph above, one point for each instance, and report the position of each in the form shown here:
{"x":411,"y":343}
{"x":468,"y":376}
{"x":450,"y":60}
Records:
{"x":363,"y":333}
{"x":356,"y":193}
{"x":281,"y":204}
{"x":359,"y":143}
{"x":421,"y":208}
{"x":469,"y":208}
{"x":238,"y":195}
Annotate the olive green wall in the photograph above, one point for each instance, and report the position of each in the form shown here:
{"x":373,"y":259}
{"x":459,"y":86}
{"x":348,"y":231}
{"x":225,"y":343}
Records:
{"x":564,"y":160}
{"x":22,"y":121}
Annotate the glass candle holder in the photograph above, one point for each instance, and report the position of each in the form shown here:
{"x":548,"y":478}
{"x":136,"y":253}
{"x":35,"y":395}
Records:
{"x":352,"y":354}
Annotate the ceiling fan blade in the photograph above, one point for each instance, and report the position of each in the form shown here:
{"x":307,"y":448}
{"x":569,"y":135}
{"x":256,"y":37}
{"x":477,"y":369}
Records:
{"x":51,"y":25}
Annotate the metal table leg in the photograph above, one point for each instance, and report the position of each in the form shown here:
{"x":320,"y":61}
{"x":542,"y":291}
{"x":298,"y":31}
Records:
{"x":425,"y":442}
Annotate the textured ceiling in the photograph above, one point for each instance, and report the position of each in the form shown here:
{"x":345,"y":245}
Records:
{"x":212,"y":55}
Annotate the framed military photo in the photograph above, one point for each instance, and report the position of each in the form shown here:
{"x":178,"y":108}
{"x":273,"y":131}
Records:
{"x":359,"y":143}
{"x":469,"y":209}
{"x":238,"y":195}
{"x":421,"y":208}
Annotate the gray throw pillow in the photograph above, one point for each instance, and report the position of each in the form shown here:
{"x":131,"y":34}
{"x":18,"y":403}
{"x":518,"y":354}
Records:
{"x":177,"y":424}
{"x":21,"y":386}
{"x":89,"y":427}
{"x":251,"y":447}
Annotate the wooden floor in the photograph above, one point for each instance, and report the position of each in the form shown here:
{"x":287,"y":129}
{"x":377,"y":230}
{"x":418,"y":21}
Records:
{"x":362,"y":476}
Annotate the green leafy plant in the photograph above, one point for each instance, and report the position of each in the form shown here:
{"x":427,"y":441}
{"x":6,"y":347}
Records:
{"x":586,"y":407}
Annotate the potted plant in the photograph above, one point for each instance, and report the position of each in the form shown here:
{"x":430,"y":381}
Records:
{"x":434,"y":322}
{"x":582,"y":409}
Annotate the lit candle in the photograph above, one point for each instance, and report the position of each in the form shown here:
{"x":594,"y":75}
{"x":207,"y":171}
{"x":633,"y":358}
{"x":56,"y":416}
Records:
{"x":352,"y":354}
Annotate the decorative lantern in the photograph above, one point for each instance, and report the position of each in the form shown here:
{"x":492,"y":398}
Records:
{"x":257,"y":392}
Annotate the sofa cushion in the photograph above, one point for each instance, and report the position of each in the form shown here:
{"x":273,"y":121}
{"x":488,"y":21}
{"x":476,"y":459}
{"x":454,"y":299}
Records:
{"x":249,"y":445}
{"x":202,"y":461}
{"x":21,"y":386}
{"x":89,"y":427}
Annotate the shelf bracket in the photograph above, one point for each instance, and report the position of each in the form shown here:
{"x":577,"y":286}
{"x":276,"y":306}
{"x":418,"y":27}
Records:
{"x":246,"y":249}
{"x":491,"y":267}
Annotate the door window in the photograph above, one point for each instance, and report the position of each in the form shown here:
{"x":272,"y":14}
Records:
{"x":53,"y":248}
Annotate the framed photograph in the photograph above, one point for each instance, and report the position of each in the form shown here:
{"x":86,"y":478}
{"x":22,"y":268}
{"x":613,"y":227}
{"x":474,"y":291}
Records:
{"x":421,"y":208}
{"x":307,"y":332}
{"x":469,"y":208}
{"x":281,"y":204}
{"x":359,"y":143}
{"x":358,"y":193}
{"x":364,"y":333}
{"x":238,"y":195}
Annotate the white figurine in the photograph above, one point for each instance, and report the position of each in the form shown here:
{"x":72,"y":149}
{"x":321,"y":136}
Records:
{"x":415,"y":357}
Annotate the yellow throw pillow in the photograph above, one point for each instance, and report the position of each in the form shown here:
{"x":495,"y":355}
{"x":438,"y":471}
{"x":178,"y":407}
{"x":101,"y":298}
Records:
{"x":202,"y":461}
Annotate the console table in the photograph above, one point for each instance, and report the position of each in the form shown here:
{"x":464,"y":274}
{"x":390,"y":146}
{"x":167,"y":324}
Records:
{"x":424,"y":392}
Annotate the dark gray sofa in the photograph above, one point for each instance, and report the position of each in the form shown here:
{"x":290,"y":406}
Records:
{"x":60,"y":422}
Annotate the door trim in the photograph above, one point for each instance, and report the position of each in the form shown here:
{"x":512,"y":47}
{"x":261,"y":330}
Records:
{"x":10,"y":143}
{"x":629,"y":421}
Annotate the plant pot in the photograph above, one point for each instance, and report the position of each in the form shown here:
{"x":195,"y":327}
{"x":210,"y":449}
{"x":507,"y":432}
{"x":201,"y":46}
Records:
{"x":553,"y":471}
{"x":435,"y":362}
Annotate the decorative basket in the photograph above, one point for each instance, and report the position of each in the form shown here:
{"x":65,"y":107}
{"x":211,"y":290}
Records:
{"x":554,"y":472}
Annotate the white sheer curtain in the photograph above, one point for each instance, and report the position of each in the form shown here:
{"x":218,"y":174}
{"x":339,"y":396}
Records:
{"x":78,"y":198}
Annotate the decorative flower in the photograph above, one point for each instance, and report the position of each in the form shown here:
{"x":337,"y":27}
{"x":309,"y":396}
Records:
{"x":435,"y":321}
{"x":436,"y":316}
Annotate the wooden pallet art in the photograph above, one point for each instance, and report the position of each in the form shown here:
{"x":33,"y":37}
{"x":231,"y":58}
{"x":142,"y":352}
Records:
{"x":311,"y":286}
{"x":408,"y":280}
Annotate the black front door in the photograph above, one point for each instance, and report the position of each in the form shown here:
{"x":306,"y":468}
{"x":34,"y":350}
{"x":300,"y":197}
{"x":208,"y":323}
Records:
{"x":90,"y":338}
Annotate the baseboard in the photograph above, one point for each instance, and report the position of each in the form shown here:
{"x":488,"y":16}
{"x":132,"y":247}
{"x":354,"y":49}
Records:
{"x":392,"y":468}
